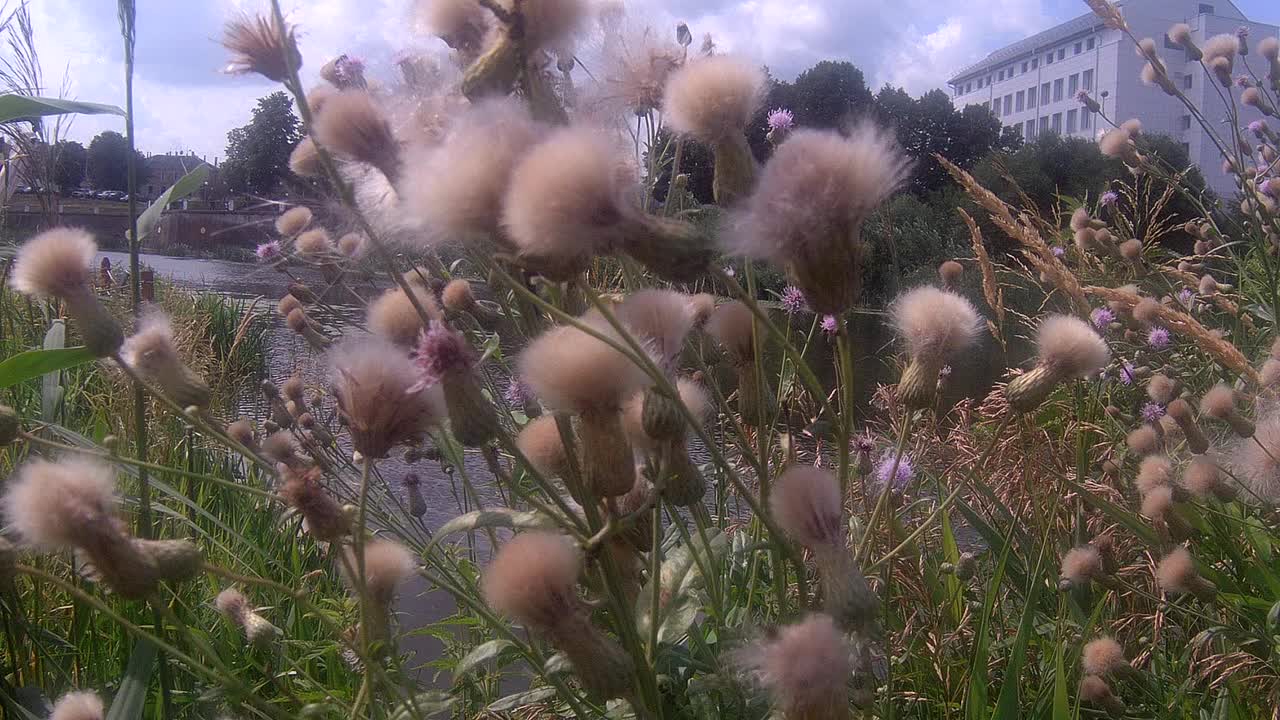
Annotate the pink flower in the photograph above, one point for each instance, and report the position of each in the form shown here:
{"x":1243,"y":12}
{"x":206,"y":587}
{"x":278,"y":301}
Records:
{"x":781,"y":119}
{"x":830,"y":324}
{"x":268,"y":251}
{"x":441,"y":351}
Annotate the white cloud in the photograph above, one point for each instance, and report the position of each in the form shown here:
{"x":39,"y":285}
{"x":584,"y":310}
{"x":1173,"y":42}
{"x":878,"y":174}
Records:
{"x":184,"y":102}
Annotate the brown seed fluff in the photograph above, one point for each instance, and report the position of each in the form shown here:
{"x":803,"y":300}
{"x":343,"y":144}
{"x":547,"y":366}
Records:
{"x":352,"y":125}
{"x":393,"y":316}
{"x":807,"y":211}
{"x":303,"y":491}
{"x":379,"y":394}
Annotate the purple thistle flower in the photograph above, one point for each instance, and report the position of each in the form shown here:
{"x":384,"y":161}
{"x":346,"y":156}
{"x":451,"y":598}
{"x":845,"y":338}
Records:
{"x":1108,"y":198}
{"x":441,"y":351}
{"x":1242,"y":32}
{"x":518,"y":393}
{"x":1152,"y":412}
{"x":1186,"y":296}
{"x":1258,"y":127}
{"x":1271,"y":187}
{"x":781,"y":119}
{"x":793,"y":300}
{"x":348,"y":70}
{"x":1059,"y":251}
{"x":728,"y":270}
{"x":1158,"y":338}
{"x":268,"y":251}
{"x":1243,"y":82}
{"x":1127,"y":371}
{"x":864,"y":444}
{"x":885,"y":471}
{"x":830,"y":324}
{"x":945,"y":372}
{"x":1102,"y":318}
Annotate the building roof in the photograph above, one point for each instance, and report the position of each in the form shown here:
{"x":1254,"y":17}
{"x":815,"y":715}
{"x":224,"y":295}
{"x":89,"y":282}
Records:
{"x":177,"y":163}
{"x":1081,"y":24}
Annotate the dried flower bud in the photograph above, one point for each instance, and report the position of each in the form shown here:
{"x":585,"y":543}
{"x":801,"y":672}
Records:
{"x":1220,"y":403}
{"x":1177,"y":574}
{"x":261,"y":45}
{"x":1096,"y":692}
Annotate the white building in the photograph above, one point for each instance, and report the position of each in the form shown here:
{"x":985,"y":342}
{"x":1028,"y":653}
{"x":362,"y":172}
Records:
{"x":1031,"y":85}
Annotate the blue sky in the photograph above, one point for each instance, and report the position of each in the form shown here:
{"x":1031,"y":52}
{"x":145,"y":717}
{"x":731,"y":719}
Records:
{"x":185,"y":103}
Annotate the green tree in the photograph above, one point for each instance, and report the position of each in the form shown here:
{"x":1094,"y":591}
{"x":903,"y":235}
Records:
{"x":107,"y":162}
{"x":831,"y":94}
{"x":258,"y":153}
{"x":69,"y":161}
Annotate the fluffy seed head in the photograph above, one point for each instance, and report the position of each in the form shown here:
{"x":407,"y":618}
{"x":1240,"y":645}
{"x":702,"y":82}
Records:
{"x":936,"y":325}
{"x":393,"y":316}
{"x":353,"y":126}
{"x":731,"y":326}
{"x":456,"y":190}
{"x":540,"y":442}
{"x":293,"y":221}
{"x":351,"y":245}
{"x":1219,"y":403}
{"x":1131,"y":249}
{"x":386,"y":565}
{"x":564,"y":203}
{"x":302,"y":489}
{"x":1095,"y":691}
{"x":241,"y":431}
{"x":571,"y":371}
{"x":1070,"y":346}
{"x":80,"y":705}
{"x":1155,"y":471}
{"x":1080,"y":219}
{"x":296,"y":320}
{"x":288,"y":304}
{"x":1158,"y":503}
{"x":638,"y":69}
{"x":532,"y":579}
{"x":809,"y":205}
{"x":460,"y":23}
{"x":1143,"y":440}
{"x":1222,"y":46}
{"x":1176,"y":572}
{"x":1103,"y":656}
{"x":806,"y":503}
{"x":55,"y":263}
{"x":377,"y":389}
{"x":261,"y":45}
{"x":1162,"y":389}
{"x":231,"y":603}
{"x":660,"y":319}
{"x":1180,"y":33}
{"x":713,"y":98}
{"x":1269,"y":48}
{"x":304,"y":161}
{"x":313,"y":243}
{"x":1252,"y":463}
{"x":701,"y":306}
{"x":55,"y":505}
{"x":280,"y":447}
{"x":457,"y":296}
{"x":550,"y":23}
{"x":152,"y":354}
{"x":950,"y":273}
{"x":1269,"y":373}
{"x":1081,"y":564}
{"x":807,"y":667}
{"x":1202,"y":479}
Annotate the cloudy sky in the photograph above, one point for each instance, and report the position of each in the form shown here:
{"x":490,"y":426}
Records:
{"x":184,"y":102}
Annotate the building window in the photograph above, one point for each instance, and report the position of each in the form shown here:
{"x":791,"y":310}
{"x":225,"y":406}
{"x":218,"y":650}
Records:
{"x":1000,"y":75}
{"x":1008,"y":104}
{"x":1206,"y":9}
{"x":1035,"y":63}
{"x":979,"y":83}
{"x":1031,"y":97}
{"x":1078,"y":48}
{"x":1024,"y":68}
{"x":1073,"y":84}
{"x":1184,"y":122}
{"x":989,"y":79}
{"x":1186,"y":148}
{"x":1044,"y":94}
{"x":1186,"y":81}
{"x":1088,"y":44}
{"x":1057,"y":122}
{"x":1031,"y":130}
{"x":1086,"y":80}
{"x":1048,"y":59}
{"x":1062,"y":53}
{"x":1086,"y":119}
{"x":1020,"y":101}
{"x":1071,"y":121}
{"x":1057,"y":90}
{"x":1044,"y":124}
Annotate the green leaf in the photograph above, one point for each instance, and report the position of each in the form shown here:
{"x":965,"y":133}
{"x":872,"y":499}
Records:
{"x":976,"y":704}
{"x":1061,"y":707}
{"x":1120,"y":515}
{"x":149,"y":221}
{"x":34,"y":363}
{"x":521,"y":699}
{"x":28,"y":107}
{"x":1007,"y":704}
{"x":679,"y":576}
{"x":494,"y":517}
{"x":480,"y":654}
{"x":51,"y":384}
{"x":131,"y":698}
{"x":424,"y":705}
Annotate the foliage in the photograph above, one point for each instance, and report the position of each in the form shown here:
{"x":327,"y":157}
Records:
{"x":258,"y":153}
{"x":106,"y":162}
{"x":69,"y":165}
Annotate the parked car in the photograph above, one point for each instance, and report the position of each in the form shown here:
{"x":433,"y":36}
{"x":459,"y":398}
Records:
{"x":82,"y":194}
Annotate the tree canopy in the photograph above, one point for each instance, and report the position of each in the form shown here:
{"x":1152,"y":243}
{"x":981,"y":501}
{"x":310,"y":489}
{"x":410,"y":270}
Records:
{"x":107,"y":162}
{"x":69,"y":161}
{"x":258,"y":153}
